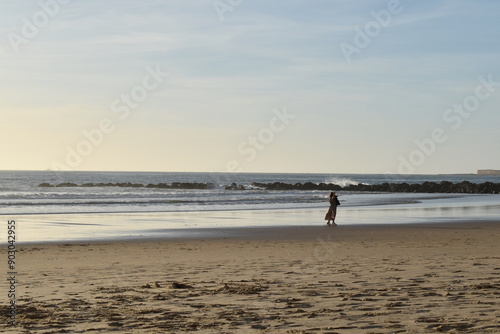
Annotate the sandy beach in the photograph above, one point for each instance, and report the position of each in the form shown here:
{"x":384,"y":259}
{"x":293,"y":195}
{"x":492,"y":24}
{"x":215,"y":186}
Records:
{"x":421,"y":278}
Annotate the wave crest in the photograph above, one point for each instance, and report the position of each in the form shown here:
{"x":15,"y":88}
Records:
{"x":343,"y":182}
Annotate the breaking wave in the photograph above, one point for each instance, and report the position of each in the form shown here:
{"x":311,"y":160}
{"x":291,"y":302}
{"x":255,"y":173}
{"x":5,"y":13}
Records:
{"x":343,"y":182}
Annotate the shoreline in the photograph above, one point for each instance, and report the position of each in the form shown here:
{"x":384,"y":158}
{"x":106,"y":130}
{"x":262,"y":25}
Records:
{"x":270,"y":233}
{"x":99,"y":227}
{"x":95,"y":227}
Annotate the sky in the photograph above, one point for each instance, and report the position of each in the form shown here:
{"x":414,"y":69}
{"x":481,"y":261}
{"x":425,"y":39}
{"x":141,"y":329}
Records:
{"x":322,"y":86}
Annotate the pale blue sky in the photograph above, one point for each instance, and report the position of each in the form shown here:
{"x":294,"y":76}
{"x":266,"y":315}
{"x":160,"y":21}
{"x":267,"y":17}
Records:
{"x":228,"y":78}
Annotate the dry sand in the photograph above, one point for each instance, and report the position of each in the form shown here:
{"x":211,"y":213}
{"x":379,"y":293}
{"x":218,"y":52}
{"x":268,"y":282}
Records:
{"x":428,"y":278}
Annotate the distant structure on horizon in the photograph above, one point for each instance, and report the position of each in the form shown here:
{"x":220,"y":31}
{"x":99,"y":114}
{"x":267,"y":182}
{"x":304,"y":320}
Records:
{"x":488,"y":172}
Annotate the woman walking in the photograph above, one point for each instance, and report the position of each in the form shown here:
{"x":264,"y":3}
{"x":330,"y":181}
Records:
{"x":332,"y":211}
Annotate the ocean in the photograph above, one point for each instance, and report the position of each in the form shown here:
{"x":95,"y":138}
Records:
{"x":81,"y":213}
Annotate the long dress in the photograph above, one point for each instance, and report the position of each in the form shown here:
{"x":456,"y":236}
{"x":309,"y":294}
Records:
{"x":332,"y":210}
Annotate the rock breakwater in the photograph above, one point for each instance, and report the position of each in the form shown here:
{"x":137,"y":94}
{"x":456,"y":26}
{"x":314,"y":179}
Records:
{"x":465,"y":187}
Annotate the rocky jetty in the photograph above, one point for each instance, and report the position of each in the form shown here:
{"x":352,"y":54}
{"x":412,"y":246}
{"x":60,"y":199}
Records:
{"x":426,"y":187}
{"x":465,"y":187}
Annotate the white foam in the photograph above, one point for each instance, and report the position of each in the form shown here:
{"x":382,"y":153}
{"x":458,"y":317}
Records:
{"x":343,"y":182}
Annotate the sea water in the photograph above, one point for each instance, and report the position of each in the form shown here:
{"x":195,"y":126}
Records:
{"x":81,"y":213}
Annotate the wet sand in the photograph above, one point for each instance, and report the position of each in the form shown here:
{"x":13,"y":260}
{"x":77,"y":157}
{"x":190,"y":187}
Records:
{"x":420,"y":278}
